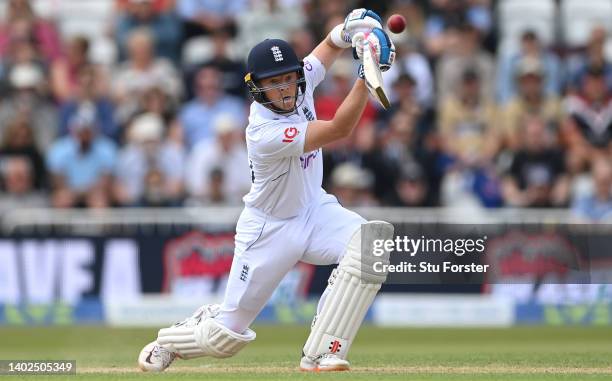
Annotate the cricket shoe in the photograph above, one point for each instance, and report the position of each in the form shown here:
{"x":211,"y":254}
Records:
{"x":155,"y":358}
{"x":327,"y":362}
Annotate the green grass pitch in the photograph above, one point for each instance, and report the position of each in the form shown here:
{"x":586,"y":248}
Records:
{"x":528,"y":353}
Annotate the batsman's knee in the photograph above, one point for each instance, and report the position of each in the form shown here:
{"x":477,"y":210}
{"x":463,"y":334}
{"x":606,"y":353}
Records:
{"x":364,"y":250}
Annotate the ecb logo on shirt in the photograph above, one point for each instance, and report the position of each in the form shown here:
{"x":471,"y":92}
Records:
{"x":278,"y":55}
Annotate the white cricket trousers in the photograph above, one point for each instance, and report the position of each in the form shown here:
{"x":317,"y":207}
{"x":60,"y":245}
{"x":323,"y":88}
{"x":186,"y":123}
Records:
{"x":267,"y":248}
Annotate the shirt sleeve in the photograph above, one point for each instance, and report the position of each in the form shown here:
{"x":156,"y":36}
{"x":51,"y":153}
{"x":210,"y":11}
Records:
{"x":314,"y":71}
{"x":278,"y":140}
{"x":186,"y":9}
{"x":55,"y":159}
{"x":236,"y":6}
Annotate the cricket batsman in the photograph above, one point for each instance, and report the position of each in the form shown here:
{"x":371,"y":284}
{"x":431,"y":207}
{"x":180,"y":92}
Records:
{"x":288,"y":217}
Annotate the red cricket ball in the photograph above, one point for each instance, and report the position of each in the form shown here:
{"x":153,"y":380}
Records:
{"x":396,"y":23}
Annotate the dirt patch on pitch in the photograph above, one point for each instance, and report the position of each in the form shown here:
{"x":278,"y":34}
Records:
{"x":492,"y":369}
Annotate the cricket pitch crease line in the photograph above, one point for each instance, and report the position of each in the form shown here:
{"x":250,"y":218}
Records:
{"x":204,"y":369}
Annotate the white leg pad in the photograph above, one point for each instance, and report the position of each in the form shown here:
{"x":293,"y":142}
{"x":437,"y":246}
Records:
{"x":207,"y":338}
{"x":351,"y":290}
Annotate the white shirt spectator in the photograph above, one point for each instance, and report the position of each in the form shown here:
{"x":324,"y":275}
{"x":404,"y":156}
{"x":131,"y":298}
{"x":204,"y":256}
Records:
{"x":225,"y":152}
{"x":161,"y":74}
{"x":267,"y":19}
{"x":416,"y":65}
{"x":189,"y":9}
{"x":146,"y":152}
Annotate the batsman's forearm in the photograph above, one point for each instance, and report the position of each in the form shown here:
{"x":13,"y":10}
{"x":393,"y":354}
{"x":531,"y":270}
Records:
{"x":327,"y":52}
{"x":349,"y":112}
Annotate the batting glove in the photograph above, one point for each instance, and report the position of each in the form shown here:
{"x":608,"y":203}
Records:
{"x":361,"y":20}
{"x":358,"y":20}
{"x":382,"y":44}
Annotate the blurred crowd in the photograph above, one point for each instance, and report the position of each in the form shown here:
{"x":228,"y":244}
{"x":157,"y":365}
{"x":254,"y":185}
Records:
{"x":161,"y":122}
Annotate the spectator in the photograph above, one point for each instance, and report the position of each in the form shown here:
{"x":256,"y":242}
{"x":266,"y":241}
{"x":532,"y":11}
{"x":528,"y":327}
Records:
{"x":21,"y":23}
{"x":141,"y":72}
{"x":588,"y":128}
{"x":64,"y":76}
{"x":470,"y":142}
{"x":204,"y":16}
{"x":464,"y":53}
{"x":302,"y":41}
{"x":26,"y":98}
{"x":362,"y":150}
{"x":370,"y":155}
{"x":410,"y":61}
{"x":155,"y":101}
{"x":232,"y":71}
{"x":413,"y":12}
{"x":468,"y":124}
{"x":411,"y":187}
{"x":530,"y":49}
{"x":221,"y":162}
{"x":216,"y":193}
{"x":164,"y":26}
{"x":267,"y":19}
{"x":361,"y":147}
{"x":18,"y":189}
{"x":81,"y":165}
{"x":158,"y":5}
{"x":353,"y":185}
{"x":594,"y":56}
{"x":537,"y":175}
{"x":531,"y":100}
{"x":446,"y":14}
{"x":198,"y":115}
{"x":90,"y":92}
{"x":149,"y":169}
{"x":405,"y":100}
{"x":22,"y":49}
{"x":323,"y":17}
{"x":327,"y":103}
{"x":596,"y":206}
{"x":18,"y":141}
{"x":404,"y":88}
{"x":405,"y":147}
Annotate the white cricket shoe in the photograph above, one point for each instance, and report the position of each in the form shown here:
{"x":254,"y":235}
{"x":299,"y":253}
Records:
{"x":155,"y":358}
{"x":327,"y":362}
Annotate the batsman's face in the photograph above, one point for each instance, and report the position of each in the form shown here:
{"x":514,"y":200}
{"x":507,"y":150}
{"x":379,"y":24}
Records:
{"x":281,"y":90}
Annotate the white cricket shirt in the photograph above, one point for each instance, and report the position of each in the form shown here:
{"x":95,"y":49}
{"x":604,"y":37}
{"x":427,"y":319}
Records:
{"x":285,"y":179}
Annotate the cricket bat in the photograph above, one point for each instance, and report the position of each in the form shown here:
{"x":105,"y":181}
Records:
{"x":373,"y":76}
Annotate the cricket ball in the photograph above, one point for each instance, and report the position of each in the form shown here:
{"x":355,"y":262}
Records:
{"x":396,"y":23}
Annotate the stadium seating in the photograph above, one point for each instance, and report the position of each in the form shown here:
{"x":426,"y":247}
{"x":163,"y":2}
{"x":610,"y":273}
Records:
{"x":579,"y":17}
{"x":200,"y":49}
{"x":91,"y":18}
{"x":516,"y":16}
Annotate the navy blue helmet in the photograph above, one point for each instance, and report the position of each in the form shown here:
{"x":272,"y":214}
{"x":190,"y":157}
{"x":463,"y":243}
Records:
{"x":270,"y":58}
